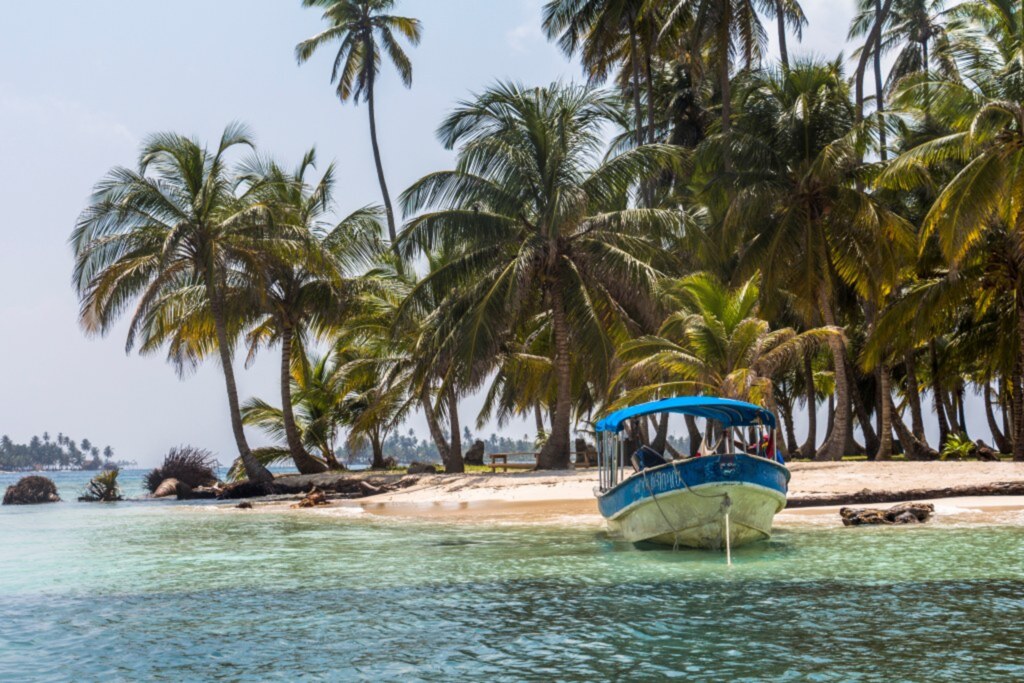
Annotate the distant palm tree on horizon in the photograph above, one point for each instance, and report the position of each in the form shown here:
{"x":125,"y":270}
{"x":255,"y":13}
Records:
{"x":357,"y":26}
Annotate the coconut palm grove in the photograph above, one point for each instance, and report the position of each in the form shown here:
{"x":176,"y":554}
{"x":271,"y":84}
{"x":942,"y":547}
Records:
{"x":694,"y":217}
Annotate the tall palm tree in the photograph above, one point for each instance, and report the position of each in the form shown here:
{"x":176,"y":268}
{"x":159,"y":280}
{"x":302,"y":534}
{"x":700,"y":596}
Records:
{"x":542,"y":226}
{"x":787,"y":14}
{"x":818,"y":231}
{"x":171,"y":229}
{"x":361,"y":28}
{"x":305,"y":291}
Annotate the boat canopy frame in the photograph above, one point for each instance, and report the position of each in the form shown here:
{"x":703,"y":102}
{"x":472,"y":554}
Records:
{"x":727,"y":412}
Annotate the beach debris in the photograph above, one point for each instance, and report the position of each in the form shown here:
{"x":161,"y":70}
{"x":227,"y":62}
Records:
{"x":421,"y":468}
{"x":186,"y":492}
{"x":984,"y":452}
{"x":31,"y":490}
{"x":904,"y":513}
{"x":475,"y":454}
{"x":168,"y":487}
{"x":188,"y":464}
{"x":102,"y":488}
{"x":314,"y":498}
{"x":244,"y":505}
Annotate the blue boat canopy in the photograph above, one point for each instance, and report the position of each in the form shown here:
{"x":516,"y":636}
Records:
{"x":726,"y":411}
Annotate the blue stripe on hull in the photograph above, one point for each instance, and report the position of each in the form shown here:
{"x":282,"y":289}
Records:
{"x":682,"y":474}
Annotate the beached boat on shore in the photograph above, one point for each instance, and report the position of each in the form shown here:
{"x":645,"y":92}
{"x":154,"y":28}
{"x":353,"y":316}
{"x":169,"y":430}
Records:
{"x":723,"y":497}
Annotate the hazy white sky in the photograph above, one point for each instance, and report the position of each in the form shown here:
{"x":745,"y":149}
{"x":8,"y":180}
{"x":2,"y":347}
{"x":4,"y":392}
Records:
{"x":82,"y":82}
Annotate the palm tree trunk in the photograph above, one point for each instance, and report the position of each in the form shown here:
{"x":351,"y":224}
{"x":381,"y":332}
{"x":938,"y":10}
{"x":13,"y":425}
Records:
{"x":961,"y":415}
{"x":873,"y":37}
{"x":538,"y":417}
{"x":378,"y":451}
{"x":1018,"y":394}
{"x":787,"y":420}
{"x":780,"y":20}
{"x":940,"y":411}
{"x":837,"y":441}
{"x":650,"y":98}
{"x":555,"y":454}
{"x":884,"y":451}
{"x":693,"y":432}
{"x":912,"y":447}
{"x":254,"y":469}
{"x":661,"y":434}
{"x":810,"y":445}
{"x":725,"y":88}
{"x":390,"y":213}
{"x":863,"y":418}
{"x":634,"y":59}
{"x":304,"y":462}
{"x":879,"y":94}
{"x":434,"y":426}
{"x":998,"y":435}
{"x":914,"y":397}
{"x":454,"y":464}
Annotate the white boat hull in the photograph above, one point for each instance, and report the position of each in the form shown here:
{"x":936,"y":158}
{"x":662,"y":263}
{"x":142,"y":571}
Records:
{"x":695,"y":516}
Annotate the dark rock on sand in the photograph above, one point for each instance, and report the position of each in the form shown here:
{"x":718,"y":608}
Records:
{"x":424,"y":468}
{"x":244,"y":505}
{"x":31,"y":490}
{"x":475,"y":454}
{"x":905,"y":513}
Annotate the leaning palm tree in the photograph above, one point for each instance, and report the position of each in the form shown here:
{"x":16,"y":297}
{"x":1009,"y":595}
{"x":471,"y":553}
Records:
{"x":542,"y":225}
{"x":715,"y":344}
{"x":306,"y":290}
{"x":167,"y":235}
{"x":361,"y":28}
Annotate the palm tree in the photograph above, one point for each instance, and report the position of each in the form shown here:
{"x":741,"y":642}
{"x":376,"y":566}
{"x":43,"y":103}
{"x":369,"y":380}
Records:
{"x":727,"y":27}
{"x":606,"y":32}
{"x":819,"y":231}
{"x":361,"y":28}
{"x":787,"y":13}
{"x":303,"y":292}
{"x":714,"y":344}
{"x":973,"y":222}
{"x":320,"y":406}
{"x":542,"y":226}
{"x":170,"y":230}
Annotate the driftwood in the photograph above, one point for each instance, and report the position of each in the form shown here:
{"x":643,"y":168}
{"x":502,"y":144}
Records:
{"x":336,"y":484}
{"x":31,"y":490}
{"x":904,"y":513}
{"x":313,"y":498}
{"x":866,"y":496}
{"x":244,"y":505}
{"x":421,"y":468}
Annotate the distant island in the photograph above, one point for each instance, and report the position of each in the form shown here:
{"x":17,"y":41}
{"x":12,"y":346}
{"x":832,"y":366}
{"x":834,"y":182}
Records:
{"x":62,"y":453}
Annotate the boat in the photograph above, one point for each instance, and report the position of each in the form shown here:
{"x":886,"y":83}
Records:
{"x":725,"y":496}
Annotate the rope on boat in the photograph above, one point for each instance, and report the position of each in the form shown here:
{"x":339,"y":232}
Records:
{"x":726,"y":504}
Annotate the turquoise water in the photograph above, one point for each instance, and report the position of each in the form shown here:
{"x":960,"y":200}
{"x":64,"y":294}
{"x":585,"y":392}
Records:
{"x":168,"y":591}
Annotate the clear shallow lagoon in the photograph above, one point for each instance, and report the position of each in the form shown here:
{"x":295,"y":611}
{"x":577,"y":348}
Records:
{"x":168,"y":591}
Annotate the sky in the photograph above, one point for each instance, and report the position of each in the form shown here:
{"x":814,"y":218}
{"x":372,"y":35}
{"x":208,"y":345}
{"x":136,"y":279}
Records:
{"x":83,"y":82}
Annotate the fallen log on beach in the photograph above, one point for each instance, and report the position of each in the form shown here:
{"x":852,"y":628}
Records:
{"x":867,"y":496}
{"x":338,"y":484}
{"x":905,"y":513}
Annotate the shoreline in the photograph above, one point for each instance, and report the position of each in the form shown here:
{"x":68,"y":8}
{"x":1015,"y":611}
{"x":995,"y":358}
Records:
{"x":963,"y":492}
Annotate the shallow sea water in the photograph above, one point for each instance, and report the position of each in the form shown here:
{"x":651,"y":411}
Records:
{"x":172,"y":592}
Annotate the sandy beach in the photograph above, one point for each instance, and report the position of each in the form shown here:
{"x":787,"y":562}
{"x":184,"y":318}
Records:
{"x":556,"y":497}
